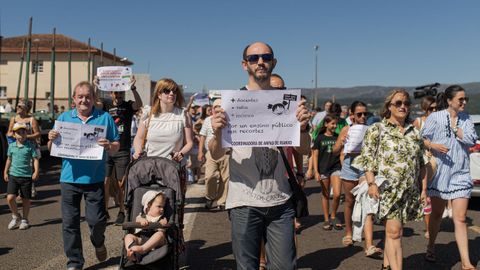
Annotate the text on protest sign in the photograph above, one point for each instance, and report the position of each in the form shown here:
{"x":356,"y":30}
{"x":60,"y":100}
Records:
{"x":114,"y":78}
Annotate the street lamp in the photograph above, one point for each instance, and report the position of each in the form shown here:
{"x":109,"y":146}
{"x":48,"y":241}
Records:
{"x":315,"y":48}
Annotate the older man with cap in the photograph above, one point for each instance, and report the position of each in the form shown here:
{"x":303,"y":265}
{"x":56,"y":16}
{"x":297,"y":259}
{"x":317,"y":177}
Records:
{"x":259,"y":207}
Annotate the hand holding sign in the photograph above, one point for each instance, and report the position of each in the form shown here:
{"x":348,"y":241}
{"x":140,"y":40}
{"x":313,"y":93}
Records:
{"x":302,"y":115}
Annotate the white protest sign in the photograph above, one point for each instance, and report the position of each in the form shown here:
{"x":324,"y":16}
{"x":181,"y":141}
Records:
{"x":114,"y":78}
{"x":355,"y":138}
{"x":261,"y":118}
{"x":77,"y":141}
{"x":201,"y":99}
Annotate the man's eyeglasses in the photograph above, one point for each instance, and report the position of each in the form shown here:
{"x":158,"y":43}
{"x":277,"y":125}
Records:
{"x":360,"y":114}
{"x":463,"y":100}
{"x":280,"y":88}
{"x":253,"y":58}
{"x":399,"y":103}
{"x":168,"y":91}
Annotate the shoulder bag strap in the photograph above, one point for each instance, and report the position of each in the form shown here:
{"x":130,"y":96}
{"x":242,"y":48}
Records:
{"x":146,"y":131}
{"x":291,"y":177}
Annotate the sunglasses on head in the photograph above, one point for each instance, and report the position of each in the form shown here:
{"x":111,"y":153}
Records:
{"x":168,"y":91}
{"x":463,"y":100}
{"x":399,"y":103}
{"x":253,"y":58}
{"x":360,"y":114}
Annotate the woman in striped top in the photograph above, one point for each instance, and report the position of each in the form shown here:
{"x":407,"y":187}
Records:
{"x":449,"y":133}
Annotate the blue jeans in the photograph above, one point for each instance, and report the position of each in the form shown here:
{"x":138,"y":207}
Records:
{"x":273,"y":224}
{"x":95,"y":215}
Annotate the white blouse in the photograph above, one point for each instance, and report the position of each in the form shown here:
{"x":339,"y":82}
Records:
{"x":165,"y":133}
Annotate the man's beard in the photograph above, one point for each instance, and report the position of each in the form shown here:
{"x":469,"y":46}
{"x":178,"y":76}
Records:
{"x":262,"y":78}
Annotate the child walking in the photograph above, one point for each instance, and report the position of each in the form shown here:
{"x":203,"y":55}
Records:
{"x":145,"y":240}
{"x":19,"y":175}
{"x":327,"y":171}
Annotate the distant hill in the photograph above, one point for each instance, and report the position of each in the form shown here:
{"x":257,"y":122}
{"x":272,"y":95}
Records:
{"x":375,"y":95}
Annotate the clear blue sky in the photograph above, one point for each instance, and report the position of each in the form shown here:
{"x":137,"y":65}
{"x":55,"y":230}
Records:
{"x":199,"y":43}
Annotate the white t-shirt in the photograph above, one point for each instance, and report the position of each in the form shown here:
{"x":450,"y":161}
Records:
{"x":257,"y":178}
{"x":165,"y":133}
{"x":207,"y":130}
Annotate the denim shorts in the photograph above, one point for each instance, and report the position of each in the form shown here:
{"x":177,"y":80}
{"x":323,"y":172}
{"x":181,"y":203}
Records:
{"x":348,"y":172}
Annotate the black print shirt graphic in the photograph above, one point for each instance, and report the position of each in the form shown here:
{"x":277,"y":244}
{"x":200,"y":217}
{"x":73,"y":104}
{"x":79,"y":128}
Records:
{"x":266,"y":160}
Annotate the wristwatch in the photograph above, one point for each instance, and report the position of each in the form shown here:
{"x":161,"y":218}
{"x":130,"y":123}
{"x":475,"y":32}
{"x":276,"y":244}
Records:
{"x":371,"y":184}
{"x":133,"y":88}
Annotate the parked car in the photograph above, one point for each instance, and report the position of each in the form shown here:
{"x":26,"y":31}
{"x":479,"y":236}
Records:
{"x":475,"y":159}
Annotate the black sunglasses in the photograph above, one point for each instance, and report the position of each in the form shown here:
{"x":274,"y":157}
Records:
{"x":463,"y":100}
{"x":168,"y":91}
{"x":399,"y":103}
{"x":253,"y":58}
{"x":360,"y":114}
{"x":280,"y":88}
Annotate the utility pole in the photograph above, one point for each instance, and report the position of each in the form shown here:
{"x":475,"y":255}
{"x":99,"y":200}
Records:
{"x":27,"y":71}
{"x":315,"y":48}
{"x":52,"y":76}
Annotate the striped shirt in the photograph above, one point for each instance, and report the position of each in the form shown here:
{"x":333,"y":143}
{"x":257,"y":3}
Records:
{"x":452,"y":179}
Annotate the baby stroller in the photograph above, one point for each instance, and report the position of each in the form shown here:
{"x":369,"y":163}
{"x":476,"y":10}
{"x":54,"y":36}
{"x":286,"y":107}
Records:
{"x":160,"y":174}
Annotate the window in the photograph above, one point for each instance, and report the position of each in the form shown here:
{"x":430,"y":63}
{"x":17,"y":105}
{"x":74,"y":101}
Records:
{"x":3,"y":91}
{"x":38,"y":66}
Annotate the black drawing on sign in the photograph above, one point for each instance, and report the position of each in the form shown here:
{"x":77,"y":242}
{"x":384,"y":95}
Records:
{"x":91,"y":136}
{"x":279,"y":108}
{"x":284,"y":106}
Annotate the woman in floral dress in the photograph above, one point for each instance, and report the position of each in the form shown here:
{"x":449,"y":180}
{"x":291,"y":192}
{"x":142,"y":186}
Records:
{"x":449,"y":133}
{"x":393,"y":152}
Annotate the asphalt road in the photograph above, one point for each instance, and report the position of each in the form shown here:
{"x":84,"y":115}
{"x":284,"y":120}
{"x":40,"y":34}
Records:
{"x":207,"y":235}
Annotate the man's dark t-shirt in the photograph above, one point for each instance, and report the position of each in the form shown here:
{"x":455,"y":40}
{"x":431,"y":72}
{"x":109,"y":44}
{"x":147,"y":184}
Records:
{"x":122,"y":116}
{"x":328,"y":163}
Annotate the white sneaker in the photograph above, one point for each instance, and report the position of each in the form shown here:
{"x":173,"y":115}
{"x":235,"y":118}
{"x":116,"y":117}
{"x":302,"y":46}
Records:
{"x":24,"y":225}
{"x":14,"y":223}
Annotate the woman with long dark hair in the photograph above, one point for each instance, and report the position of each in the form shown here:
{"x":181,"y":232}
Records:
{"x":350,"y":142}
{"x":327,"y":168}
{"x":449,"y":133}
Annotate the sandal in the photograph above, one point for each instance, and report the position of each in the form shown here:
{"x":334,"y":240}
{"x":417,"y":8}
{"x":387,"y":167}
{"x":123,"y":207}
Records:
{"x":347,"y":241}
{"x":263,"y":266}
{"x":386,"y":267}
{"x":337,"y":224}
{"x":327,"y":226}
{"x":430,"y":256}
{"x":373,"y":251}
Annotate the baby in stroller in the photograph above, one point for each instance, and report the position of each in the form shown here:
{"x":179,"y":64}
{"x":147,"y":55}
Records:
{"x":145,"y":240}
